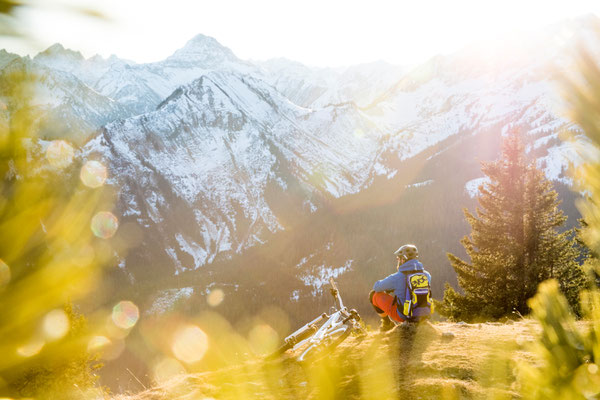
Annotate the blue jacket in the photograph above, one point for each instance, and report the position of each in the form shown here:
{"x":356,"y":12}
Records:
{"x":396,"y":282}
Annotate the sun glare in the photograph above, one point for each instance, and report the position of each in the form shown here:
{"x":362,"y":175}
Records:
{"x":60,"y":154}
{"x":398,"y":32}
{"x":166,"y":369}
{"x":190,"y":343}
{"x":56,"y":324}
{"x":104,"y":224}
{"x":215,"y":297}
{"x":263,"y":339}
{"x":98,"y":343}
{"x":125,"y":314}
{"x":31,"y":348}
{"x":93,"y":174}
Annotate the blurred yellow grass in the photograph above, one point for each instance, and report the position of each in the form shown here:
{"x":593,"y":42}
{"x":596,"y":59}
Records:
{"x":49,"y":254}
{"x":439,"y":361}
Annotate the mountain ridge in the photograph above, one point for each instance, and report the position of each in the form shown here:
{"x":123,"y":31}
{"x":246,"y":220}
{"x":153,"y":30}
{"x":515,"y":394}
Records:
{"x":212,"y":155}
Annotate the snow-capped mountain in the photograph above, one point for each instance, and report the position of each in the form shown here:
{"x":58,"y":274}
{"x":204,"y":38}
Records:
{"x":141,"y":87}
{"x":214,"y":157}
{"x":216,"y":146}
{"x":66,"y":107}
{"x":319,"y":87}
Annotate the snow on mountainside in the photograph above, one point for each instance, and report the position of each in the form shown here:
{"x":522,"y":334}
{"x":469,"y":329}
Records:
{"x":67,"y":108}
{"x":86,"y":70}
{"x":214,"y":145}
{"x":6,"y":58}
{"x":211,"y":154}
{"x":510,"y":84}
{"x":319,"y":87}
{"x":141,"y":87}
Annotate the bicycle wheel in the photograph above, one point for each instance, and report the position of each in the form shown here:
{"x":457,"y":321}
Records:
{"x":329,"y":342}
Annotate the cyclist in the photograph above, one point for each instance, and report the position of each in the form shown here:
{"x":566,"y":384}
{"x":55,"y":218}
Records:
{"x":390,"y":295}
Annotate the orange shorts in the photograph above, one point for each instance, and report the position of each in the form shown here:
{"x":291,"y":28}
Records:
{"x":386,"y":303}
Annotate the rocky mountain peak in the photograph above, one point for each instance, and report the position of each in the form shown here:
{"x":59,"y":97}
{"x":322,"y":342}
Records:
{"x":203,"y":49}
{"x":57,"y":50}
{"x":6,"y":58}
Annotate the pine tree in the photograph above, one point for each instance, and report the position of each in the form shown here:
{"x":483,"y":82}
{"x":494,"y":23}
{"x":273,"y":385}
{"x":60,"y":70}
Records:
{"x":514,"y":242}
{"x":567,"y":355}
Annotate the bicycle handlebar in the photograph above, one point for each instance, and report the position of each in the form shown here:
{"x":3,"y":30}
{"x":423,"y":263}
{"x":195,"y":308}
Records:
{"x":336,"y":293}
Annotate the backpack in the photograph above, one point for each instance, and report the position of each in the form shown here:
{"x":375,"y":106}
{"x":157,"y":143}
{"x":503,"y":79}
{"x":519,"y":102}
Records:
{"x":417,"y":304}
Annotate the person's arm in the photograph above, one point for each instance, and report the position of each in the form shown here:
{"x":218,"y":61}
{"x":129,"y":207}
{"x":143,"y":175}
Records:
{"x":429,"y":276}
{"x":385,"y":284}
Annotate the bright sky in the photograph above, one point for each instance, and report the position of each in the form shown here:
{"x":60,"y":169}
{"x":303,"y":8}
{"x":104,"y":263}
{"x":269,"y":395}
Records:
{"x":315,"y":32}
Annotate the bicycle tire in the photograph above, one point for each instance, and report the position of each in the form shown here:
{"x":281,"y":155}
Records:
{"x":315,"y":350}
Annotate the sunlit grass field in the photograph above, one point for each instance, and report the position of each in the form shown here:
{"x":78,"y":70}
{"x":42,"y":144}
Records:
{"x":434,"y":361}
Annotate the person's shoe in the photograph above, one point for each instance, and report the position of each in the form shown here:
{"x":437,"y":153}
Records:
{"x":386,"y":324}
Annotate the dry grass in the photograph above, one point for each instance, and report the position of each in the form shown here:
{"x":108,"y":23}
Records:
{"x":434,"y":361}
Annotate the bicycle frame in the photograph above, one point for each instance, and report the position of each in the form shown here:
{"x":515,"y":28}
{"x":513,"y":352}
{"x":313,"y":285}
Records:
{"x":336,"y":323}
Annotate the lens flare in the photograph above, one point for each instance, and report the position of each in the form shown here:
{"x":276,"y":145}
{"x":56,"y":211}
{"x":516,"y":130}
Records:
{"x":31,"y":349}
{"x":190,"y":344}
{"x":166,"y":369}
{"x":263,"y":339}
{"x":56,"y":324}
{"x":93,"y":174}
{"x":60,"y":154}
{"x":4,"y":274}
{"x":97,"y":343}
{"x":125,"y":314}
{"x":215,"y":297}
{"x":104,"y":224}
{"x":112,"y":331}
{"x":113,"y":350}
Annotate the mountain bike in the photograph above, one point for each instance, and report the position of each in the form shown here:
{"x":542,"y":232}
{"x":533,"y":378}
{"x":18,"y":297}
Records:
{"x":317,"y":337}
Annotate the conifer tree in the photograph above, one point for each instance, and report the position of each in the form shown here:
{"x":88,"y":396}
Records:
{"x":566,"y":354}
{"x":514,"y":242}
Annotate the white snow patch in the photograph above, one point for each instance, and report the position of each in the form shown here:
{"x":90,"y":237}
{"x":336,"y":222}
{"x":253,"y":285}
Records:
{"x":295,"y":295}
{"x":321,"y":274}
{"x":309,"y":204}
{"x":304,"y":260}
{"x":419,"y":184}
{"x":558,"y":161}
{"x":132,"y":208}
{"x":173,"y":255}
{"x":198,"y":253}
{"x":208,"y":289}
{"x":472,"y":187}
{"x":154,"y":203}
{"x":380,"y":169}
{"x":167,"y":299}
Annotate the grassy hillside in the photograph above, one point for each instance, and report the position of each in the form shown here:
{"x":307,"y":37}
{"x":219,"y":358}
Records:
{"x":438,"y":361}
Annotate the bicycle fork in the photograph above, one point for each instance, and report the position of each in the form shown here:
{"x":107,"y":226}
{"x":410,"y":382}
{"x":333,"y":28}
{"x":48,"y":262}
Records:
{"x":305,"y":331}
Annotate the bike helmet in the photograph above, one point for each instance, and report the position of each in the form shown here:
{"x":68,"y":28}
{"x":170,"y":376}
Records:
{"x":407,"y":252}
